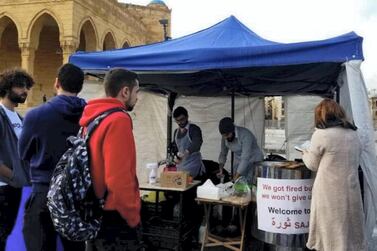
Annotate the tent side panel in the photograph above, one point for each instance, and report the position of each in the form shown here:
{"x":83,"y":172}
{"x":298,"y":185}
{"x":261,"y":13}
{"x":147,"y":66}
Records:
{"x":357,"y":97}
{"x":299,"y":119}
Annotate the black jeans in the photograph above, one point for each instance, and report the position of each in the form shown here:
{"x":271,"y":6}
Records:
{"x":115,"y":235}
{"x":10,"y":198}
{"x":39,"y":232}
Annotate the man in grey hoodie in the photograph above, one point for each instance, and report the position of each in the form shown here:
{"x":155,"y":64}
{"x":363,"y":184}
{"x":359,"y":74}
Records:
{"x":14,"y":87}
{"x":42,"y":143}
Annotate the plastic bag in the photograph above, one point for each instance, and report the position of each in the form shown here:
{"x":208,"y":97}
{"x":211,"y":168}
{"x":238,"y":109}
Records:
{"x":226,"y":189}
{"x":241,"y":188}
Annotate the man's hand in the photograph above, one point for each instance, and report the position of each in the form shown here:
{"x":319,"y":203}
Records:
{"x":183,"y":155}
{"x":5,"y":171}
{"x":177,"y":160}
{"x":236,"y":176}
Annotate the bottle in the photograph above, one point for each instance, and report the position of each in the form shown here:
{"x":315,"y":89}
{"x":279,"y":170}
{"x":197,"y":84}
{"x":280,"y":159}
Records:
{"x":201,"y":233}
{"x":152,"y":178}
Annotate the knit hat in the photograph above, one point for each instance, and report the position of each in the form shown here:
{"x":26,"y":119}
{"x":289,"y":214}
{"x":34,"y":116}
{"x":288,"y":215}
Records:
{"x":226,"y":125}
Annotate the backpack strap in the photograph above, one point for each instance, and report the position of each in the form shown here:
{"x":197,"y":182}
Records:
{"x":94,"y":123}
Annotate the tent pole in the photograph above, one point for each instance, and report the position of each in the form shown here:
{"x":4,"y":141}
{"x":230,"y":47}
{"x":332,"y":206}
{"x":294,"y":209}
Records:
{"x":171,"y":100}
{"x":232,"y":154}
{"x":337,"y":94}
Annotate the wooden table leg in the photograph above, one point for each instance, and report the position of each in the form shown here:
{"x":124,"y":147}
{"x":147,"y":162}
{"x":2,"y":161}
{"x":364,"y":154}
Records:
{"x":207,"y":212}
{"x":243,"y":218}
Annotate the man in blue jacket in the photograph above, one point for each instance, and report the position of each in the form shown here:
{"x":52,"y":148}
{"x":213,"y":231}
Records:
{"x":42,"y":143}
{"x":14,"y":87}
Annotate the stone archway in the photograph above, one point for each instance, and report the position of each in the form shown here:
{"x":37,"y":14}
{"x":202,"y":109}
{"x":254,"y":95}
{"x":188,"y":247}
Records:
{"x":109,"y":42}
{"x":44,"y":37}
{"x":88,"y":37}
{"x":9,"y":50}
{"x":125,"y":44}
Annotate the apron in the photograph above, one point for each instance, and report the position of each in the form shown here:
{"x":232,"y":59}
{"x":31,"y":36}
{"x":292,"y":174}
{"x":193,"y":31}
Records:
{"x":237,"y":150}
{"x":193,"y":163}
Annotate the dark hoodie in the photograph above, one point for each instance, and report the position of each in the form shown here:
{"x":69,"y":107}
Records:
{"x":44,"y":134}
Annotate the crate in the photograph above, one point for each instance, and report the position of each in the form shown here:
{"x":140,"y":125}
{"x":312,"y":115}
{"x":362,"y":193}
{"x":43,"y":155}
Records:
{"x":162,"y":234}
{"x":150,"y":210}
{"x":162,"y":227}
{"x":155,"y":243}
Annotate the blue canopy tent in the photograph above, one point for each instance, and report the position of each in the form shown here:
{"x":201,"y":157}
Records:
{"x":228,"y":58}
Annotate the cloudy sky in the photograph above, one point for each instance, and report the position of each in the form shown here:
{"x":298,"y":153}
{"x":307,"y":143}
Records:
{"x":285,"y":21}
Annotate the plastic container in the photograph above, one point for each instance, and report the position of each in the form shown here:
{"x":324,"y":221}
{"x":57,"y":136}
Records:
{"x":152,"y":178}
{"x":276,"y":170}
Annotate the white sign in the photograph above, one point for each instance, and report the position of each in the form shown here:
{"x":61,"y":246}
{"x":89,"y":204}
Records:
{"x":283,"y":205}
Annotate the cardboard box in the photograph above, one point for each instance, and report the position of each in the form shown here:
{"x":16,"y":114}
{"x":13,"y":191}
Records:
{"x":177,"y":179}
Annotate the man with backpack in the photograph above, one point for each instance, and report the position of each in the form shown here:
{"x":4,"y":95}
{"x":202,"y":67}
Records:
{"x":42,"y":143}
{"x":113,"y":162}
{"x":14,"y":87}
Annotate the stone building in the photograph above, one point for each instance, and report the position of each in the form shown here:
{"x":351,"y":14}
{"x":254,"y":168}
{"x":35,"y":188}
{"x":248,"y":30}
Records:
{"x":274,"y":112}
{"x":372,"y":94}
{"x":40,"y":35}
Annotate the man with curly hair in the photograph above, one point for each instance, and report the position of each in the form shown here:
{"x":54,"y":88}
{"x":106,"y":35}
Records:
{"x":14,"y":87}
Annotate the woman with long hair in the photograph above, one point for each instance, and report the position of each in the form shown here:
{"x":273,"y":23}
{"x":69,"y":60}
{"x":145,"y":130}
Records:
{"x":336,"y":217}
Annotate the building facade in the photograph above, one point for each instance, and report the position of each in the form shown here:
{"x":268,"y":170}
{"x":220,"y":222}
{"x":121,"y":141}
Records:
{"x":40,"y":35}
{"x":373,"y":106}
{"x":274,"y":112}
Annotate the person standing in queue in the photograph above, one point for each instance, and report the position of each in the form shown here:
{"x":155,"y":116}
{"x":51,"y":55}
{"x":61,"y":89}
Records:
{"x":336,"y":212}
{"x":113,"y":163}
{"x":188,"y":139}
{"x":242,"y":142}
{"x":42,"y":142}
{"x":14,"y":172}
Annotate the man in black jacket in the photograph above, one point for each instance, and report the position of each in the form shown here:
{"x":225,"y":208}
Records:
{"x":14,"y":87}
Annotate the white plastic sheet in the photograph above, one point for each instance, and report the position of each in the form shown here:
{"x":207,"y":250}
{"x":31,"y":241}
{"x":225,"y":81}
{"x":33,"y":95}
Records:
{"x":299,"y":122}
{"x":354,"y":98}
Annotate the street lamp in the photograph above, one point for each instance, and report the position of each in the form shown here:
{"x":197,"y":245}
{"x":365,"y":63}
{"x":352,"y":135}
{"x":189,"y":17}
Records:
{"x":164,"y":23}
{"x":171,"y":99}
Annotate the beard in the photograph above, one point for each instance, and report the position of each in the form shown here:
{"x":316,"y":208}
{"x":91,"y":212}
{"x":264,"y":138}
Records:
{"x":129,"y":107}
{"x":17,"y":98}
{"x":230,"y":139}
{"x":183,"y":125}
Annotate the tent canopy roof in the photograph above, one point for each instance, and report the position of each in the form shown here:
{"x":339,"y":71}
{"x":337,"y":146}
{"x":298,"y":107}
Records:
{"x":228,"y":56}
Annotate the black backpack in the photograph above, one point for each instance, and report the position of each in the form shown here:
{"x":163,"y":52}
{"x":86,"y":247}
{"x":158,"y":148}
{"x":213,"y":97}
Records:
{"x":75,"y":210}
